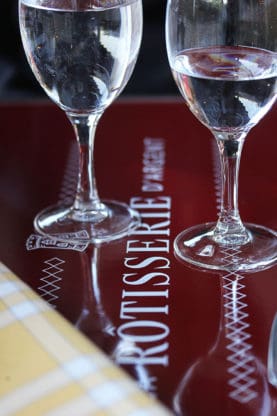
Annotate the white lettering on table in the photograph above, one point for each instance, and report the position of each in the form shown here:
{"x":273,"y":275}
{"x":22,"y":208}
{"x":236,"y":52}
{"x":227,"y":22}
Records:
{"x":144,"y":311}
{"x":153,"y":165}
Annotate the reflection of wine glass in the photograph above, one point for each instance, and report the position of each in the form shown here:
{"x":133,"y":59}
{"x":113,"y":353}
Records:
{"x":272,"y":354}
{"x":230,"y":378}
{"x":93,"y":319}
{"x":96,"y":321}
{"x":223,"y":58}
{"x":83,"y":53}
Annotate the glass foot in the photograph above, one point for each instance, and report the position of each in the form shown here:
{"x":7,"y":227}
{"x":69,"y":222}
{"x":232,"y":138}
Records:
{"x":64,"y":224}
{"x":197,"y":247}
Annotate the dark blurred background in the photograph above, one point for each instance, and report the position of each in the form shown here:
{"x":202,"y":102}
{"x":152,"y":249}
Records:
{"x":151,"y":76}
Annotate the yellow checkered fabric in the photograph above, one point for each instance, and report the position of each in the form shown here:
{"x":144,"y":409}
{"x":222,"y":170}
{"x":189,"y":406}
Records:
{"x":48,"y":368}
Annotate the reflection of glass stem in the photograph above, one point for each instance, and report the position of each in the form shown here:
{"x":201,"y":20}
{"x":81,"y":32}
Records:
{"x":242,"y":361}
{"x":228,"y":378}
{"x":93,"y":319}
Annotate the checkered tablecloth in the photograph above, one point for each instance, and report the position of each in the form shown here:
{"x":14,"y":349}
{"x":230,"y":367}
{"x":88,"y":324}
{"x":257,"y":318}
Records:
{"x":49,"y":368}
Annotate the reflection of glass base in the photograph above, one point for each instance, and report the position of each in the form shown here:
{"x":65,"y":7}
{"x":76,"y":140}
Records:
{"x":64,"y":224}
{"x":197,"y":246}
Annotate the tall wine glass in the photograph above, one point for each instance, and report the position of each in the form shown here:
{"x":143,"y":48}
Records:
{"x":83,"y":53}
{"x":223,"y":57}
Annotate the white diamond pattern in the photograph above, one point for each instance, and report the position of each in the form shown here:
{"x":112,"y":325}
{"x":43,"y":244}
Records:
{"x":241,"y":360}
{"x":69,"y":184}
{"x":50,"y":286}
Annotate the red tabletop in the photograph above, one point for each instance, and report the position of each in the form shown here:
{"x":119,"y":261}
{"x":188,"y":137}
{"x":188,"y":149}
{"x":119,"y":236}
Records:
{"x":196,"y":340}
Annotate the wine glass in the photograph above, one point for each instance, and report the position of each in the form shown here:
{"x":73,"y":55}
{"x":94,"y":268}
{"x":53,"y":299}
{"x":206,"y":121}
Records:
{"x":223,"y":58}
{"x":83,"y":53}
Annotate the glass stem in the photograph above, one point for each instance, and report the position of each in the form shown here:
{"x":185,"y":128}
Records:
{"x":87,"y":205}
{"x":229,"y":228}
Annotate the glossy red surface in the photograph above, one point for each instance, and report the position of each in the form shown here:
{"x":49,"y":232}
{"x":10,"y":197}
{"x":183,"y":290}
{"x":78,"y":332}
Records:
{"x":196,"y":340}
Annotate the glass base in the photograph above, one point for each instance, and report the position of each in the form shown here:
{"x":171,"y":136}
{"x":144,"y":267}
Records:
{"x":197,"y":247}
{"x":63,"y":223}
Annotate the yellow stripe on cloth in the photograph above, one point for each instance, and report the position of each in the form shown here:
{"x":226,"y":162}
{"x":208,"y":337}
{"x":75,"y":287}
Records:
{"x":48,"y":368}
